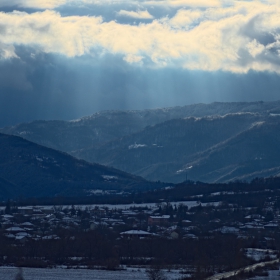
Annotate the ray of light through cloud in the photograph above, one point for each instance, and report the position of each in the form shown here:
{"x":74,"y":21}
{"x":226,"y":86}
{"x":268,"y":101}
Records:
{"x":153,"y":52}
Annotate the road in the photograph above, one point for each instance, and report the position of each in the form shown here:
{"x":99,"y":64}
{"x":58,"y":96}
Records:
{"x":237,"y":271}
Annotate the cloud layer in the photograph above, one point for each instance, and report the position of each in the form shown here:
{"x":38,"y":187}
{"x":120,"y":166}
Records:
{"x":138,"y":14}
{"x":36,"y":4}
{"x":239,"y":37}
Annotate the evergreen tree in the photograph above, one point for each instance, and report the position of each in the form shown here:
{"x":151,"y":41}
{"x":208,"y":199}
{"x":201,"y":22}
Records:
{"x":8,"y":207}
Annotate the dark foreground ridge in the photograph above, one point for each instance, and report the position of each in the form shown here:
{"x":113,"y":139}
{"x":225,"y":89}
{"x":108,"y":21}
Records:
{"x":30,"y":170}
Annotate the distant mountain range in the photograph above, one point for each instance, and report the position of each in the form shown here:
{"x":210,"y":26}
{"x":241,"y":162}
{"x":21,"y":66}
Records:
{"x":105,"y":126}
{"x":31,"y":170}
{"x":168,"y":150}
{"x":215,"y":142}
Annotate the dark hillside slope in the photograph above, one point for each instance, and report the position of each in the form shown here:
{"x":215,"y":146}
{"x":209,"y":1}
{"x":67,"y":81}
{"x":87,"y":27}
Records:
{"x":156,"y":144}
{"x":106,"y":126}
{"x":252,"y":153}
{"x":7,"y":189}
{"x":31,"y":170}
{"x":159,"y":152}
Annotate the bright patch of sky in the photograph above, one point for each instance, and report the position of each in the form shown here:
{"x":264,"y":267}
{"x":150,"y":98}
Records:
{"x":208,"y":35}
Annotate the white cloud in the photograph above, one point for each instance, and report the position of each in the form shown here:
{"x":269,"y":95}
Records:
{"x":130,"y":58}
{"x":37,"y":4}
{"x":51,"y":4}
{"x":184,"y":18}
{"x":138,"y":14}
{"x":186,"y":3}
{"x":7,"y":51}
{"x":238,"y":38}
{"x":255,"y":48}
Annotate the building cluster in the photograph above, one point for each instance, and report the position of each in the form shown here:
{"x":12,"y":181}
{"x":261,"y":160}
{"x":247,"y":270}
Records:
{"x":168,"y":220}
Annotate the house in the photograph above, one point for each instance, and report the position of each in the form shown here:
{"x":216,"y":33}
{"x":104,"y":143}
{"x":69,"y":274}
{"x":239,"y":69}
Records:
{"x":98,"y":211}
{"x":27,"y":225}
{"x":47,"y":210}
{"x":50,"y":237}
{"x":135,"y":234}
{"x":128,"y":213}
{"x":15,"y":229}
{"x":21,"y":239}
{"x":186,"y":222}
{"x":25,"y":210}
{"x":174,"y":235}
{"x":271,"y":226}
{"x":190,"y":236}
{"x":93,"y":225}
{"x":158,"y":220}
{"x":7,"y":217}
{"x":254,"y":217}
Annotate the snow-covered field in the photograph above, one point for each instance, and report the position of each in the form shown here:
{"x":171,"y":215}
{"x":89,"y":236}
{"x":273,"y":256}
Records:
{"x":260,"y":254}
{"x":9,"y":273}
{"x":190,"y":204}
{"x":272,"y":275}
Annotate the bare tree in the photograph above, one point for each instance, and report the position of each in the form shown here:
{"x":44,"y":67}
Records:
{"x":19,"y":275}
{"x":155,"y":273}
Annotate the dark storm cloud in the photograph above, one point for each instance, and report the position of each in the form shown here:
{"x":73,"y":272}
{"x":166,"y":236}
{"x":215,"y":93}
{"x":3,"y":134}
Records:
{"x":13,"y":75}
{"x":47,"y":86}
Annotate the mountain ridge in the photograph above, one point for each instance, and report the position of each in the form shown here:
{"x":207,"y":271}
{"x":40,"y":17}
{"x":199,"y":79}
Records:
{"x":255,"y":149}
{"x":105,"y":126}
{"x":176,"y":142}
{"x":34,"y":170}
{"x":158,"y":144}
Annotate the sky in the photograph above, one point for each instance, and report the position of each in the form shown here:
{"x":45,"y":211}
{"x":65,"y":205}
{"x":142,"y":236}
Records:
{"x":64,"y":59}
